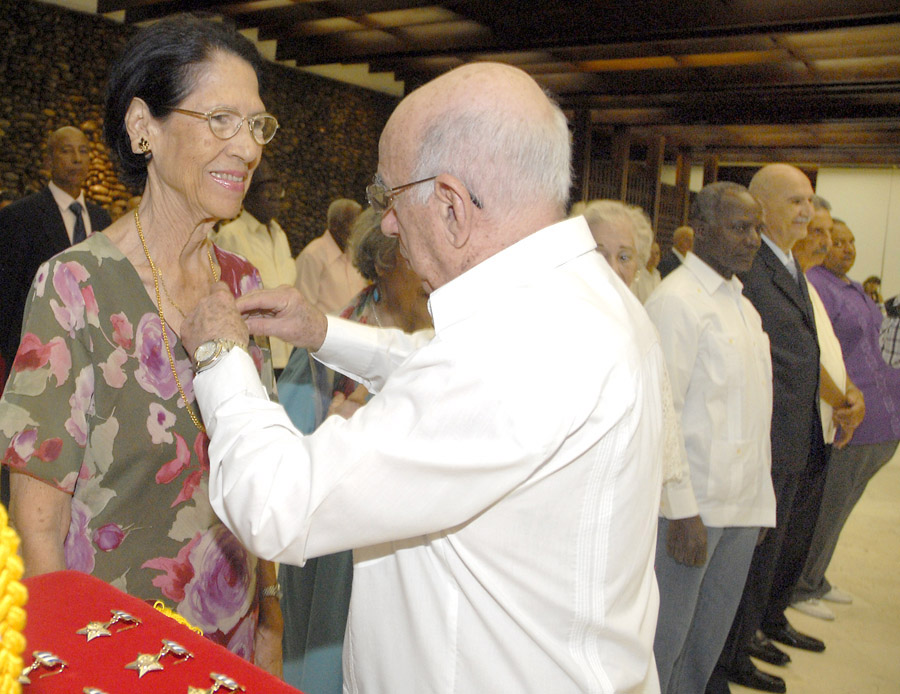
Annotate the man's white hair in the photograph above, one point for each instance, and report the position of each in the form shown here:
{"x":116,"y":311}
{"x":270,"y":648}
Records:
{"x":503,"y":158}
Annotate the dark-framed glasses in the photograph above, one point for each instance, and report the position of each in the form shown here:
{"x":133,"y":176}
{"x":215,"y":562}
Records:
{"x":381,"y":198}
{"x":224,"y":123}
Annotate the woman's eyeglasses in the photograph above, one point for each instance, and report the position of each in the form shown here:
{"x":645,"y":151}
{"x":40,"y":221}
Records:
{"x":225,"y":123}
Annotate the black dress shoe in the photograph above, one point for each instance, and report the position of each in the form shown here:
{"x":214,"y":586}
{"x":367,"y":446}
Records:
{"x":757,"y":679}
{"x":760,"y":647}
{"x":791,"y":637}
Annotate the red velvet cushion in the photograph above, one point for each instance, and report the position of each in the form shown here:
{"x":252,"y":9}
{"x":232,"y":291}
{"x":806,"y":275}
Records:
{"x":61,"y":603}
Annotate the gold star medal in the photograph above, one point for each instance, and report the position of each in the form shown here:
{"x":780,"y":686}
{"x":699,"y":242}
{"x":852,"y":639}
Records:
{"x":95,"y":629}
{"x":144,"y":663}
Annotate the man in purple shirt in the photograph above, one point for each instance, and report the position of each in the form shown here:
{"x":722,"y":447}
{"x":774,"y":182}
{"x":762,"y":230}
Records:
{"x":856,"y":320}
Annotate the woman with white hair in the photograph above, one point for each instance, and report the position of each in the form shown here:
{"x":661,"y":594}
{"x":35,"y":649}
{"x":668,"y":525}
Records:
{"x":624,"y":236}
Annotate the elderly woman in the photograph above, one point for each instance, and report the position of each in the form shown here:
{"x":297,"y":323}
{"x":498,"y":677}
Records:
{"x":394,"y":299}
{"x":317,"y":596}
{"x":107,"y":448}
{"x":623,"y":235}
{"x":645,"y":280}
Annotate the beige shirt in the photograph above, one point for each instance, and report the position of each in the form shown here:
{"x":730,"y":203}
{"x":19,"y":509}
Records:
{"x":326,"y":276}
{"x":268,"y":250}
{"x":831,"y":358}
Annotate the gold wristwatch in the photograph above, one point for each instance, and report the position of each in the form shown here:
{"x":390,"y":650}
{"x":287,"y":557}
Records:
{"x":209,"y":352}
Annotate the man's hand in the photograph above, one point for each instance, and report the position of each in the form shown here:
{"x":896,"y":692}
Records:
{"x":214,"y":317}
{"x":686,"y":541}
{"x":285,"y":314}
{"x":849,"y":417}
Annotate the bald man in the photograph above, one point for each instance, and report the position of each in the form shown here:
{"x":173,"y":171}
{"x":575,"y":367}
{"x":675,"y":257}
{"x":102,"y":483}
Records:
{"x":503,"y":519}
{"x":775,"y":285}
{"x":682,"y":242}
{"x":41,"y":225}
{"x":324,"y":272}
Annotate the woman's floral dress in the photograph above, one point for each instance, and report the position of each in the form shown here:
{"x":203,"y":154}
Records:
{"x":92,"y":408}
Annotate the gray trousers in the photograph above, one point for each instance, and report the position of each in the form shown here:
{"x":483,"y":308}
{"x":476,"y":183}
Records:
{"x":849,"y":471}
{"x":697,"y":606}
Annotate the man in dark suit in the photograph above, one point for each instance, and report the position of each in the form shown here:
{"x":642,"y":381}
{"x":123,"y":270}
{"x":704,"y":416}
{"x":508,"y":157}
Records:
{"x":776,"y":287}
{"x":39,"y":226}
{"x":682,"y":242}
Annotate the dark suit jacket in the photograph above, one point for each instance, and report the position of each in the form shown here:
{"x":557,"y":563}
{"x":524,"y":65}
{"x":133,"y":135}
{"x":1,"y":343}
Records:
{"x":787,"y":317}
{"x":667,"y":263}
{"x":32,"y":230}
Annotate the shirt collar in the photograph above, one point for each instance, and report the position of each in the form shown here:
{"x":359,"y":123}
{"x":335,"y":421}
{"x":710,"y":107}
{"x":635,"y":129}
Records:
{"x":709,"y":278}
{"x":827,"y":276}
{"x":514,"y":266}
{"x":63,"y":199}
{"x":334,"y":251}
{"x":787,"y":259}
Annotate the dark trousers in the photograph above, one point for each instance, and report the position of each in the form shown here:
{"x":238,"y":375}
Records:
{"x":776,"y":565}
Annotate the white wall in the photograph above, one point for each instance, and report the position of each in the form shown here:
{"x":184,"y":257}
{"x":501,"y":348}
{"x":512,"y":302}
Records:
{"x":868,"y":200}
{"x":668,"y":175}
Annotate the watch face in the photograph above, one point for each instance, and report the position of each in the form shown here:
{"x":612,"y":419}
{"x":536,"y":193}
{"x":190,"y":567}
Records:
{"x":205,"y":351}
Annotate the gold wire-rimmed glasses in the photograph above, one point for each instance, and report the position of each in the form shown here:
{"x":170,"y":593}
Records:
{"x":224,"y":123}
{"x":381,"y":198}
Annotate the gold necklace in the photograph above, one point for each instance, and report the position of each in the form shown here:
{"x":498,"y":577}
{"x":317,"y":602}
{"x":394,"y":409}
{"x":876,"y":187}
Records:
{"x":169,"y":296}
{"x":157,"y":276}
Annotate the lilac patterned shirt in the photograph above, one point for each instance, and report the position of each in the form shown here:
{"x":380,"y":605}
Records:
{"x":857,"y":320}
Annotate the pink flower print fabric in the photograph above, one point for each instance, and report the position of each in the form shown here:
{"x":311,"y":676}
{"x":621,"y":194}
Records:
{"x":92,"y":408}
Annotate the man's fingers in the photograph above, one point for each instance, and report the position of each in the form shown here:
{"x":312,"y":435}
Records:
{"x":265,"y":302}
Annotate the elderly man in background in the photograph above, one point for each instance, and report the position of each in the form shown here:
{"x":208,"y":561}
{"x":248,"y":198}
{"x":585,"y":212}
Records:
{"x":325,"y":273}
{"x":256,"y":235}
{"x":776,"y":287}
{"x":35,"y":229}
{"x":682,"y":241}
{"x":857,"y":320}
{"x":841,"y":405}
{"x":463,"y":581}
{"x":41,"y":225}
{"x":718,"y":361}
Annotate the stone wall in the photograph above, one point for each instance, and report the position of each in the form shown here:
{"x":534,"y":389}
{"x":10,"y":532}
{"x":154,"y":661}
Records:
{"x":53,"y":67}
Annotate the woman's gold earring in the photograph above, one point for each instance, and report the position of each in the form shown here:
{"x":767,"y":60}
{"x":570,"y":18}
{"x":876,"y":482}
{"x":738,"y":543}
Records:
{"x":144,"y":146}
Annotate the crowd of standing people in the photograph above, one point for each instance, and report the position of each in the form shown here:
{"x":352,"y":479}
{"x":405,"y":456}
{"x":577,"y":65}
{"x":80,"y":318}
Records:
{"x":450,"y":512}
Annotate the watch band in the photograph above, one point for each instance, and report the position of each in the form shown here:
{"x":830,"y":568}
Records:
{"x":208,"y":353}
{"x":272,"y":591}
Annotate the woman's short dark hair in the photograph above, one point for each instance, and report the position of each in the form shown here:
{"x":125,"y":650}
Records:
{"x":371,"y":249}
{"x":160,"y":65}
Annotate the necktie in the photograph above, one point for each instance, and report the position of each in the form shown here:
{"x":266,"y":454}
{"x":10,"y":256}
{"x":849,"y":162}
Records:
{"x":80,"y":233}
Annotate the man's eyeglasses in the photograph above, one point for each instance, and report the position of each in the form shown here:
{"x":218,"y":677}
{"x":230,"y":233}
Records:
{"x":381,"y":198}
{"x":225,"y":123}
